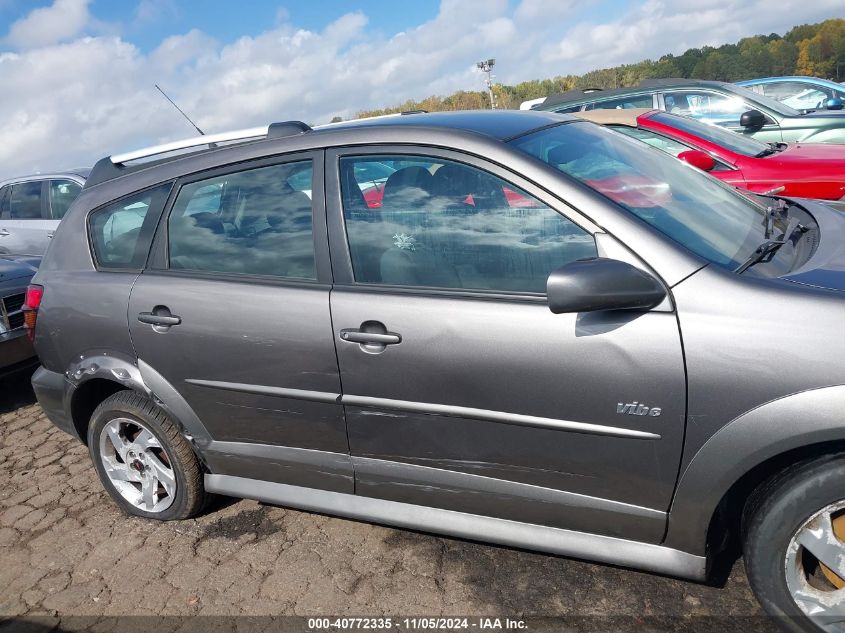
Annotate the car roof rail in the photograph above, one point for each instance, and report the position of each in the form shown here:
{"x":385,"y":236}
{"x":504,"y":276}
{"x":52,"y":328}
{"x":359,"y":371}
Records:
{"x":116,"y":165}
{"x":673,"y":81}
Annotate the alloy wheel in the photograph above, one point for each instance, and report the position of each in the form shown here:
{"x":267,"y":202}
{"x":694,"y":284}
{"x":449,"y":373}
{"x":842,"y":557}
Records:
{"x":137,"y":465}
{"x":815,"y":567}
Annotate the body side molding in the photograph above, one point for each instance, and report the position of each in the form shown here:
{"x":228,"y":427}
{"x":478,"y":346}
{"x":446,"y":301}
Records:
{"x":606,"y":549}
{"x":501,"y":417}
{"x":487,"y":415}
{"x":265,"y":390}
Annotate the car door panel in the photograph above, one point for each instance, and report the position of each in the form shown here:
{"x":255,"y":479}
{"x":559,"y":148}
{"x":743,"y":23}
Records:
{"x":267,"y":377}
{"x":512,"y":361}
{"x":494,"y":405}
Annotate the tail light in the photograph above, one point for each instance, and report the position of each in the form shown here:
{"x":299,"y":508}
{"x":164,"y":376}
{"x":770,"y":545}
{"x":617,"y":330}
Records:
{"x":32,"y":302}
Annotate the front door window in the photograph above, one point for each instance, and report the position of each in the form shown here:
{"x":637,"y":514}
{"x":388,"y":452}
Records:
{"x":444,"y":224}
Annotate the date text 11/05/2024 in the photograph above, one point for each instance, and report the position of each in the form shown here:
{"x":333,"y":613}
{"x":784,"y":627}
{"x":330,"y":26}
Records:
{"x":414,"y":624}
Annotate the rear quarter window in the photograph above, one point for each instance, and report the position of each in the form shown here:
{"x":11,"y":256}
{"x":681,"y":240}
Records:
{"x":121,"y":232}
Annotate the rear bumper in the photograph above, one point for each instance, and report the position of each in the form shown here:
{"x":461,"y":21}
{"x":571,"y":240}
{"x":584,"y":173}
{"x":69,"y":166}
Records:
{"x":50,"y":388}
{"x":16,"y":352}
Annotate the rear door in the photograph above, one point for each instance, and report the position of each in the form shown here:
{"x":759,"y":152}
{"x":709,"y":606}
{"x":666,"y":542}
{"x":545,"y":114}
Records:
{"x":462,"y":390}
{"x":25,"y":227}
{"x":233,"y":311}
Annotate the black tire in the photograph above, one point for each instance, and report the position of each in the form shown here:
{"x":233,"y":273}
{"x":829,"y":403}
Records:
{"x":190,"y":496}
{"x":773,"y":516}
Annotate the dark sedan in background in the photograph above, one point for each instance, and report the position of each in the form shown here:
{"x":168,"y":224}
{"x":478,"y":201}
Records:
{"x":16,"y":351}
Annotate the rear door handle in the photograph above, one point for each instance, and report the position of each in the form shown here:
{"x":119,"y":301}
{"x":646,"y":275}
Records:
{"x":357,"y":336}
{"x":50,"y":234}
{"x":160,"y":316}
{"x":4,"y":232}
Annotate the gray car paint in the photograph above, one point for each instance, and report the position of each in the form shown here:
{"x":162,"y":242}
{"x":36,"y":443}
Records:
{"x":507,"y":356}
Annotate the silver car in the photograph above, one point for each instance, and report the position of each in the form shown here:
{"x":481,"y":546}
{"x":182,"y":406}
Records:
{"x":31,"y":208}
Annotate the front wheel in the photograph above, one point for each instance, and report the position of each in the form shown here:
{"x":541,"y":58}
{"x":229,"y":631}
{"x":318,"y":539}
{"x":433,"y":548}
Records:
{"x":143,"y":461}
{"x":794,"y":546}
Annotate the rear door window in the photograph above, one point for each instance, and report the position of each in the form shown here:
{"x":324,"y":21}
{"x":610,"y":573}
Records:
{"x":252,"y":222}
{"x":62,"y":194}
{"x":25,"y":201}
{"x":121,"y":233}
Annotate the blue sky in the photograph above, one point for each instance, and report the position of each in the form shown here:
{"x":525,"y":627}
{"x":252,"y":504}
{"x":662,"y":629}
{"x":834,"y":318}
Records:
{"x":218,"y":19}
{"x":78,"y":75}
{"x":146,"y":23}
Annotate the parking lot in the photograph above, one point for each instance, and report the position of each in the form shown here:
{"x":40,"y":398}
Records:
{"x":67,"y":551}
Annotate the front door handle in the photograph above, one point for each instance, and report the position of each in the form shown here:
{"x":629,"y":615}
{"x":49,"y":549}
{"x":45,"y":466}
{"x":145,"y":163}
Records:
{"x":372,"y":337}
{"x":4,"y":232}
{"x":357,"y":336}
{"x":159,"y":317}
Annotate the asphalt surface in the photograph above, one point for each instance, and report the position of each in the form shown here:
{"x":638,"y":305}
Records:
{"x":66,"y":550}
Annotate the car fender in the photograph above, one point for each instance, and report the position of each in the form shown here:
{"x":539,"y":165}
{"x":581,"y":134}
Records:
{"x":791,"y":422}
{"x":136,"y":375}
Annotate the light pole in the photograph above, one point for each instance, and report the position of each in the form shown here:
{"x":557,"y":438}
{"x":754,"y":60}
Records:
{"x":486,"y":67}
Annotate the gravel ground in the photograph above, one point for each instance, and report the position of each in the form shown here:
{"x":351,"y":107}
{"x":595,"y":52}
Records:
{"x":66,"y":550}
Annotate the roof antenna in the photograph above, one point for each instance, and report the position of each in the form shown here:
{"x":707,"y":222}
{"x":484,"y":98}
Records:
{"x":196,"y":127}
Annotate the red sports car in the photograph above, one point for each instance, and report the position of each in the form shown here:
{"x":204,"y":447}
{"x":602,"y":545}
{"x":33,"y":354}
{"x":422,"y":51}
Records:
{"x":790,"y":169}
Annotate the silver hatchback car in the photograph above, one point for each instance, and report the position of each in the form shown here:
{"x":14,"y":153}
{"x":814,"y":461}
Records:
{"x":538,"y":332}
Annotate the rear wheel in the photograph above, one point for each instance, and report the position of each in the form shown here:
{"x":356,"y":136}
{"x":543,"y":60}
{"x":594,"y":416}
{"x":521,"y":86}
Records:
{"x":794,"y":546}
{"x":145,"y":464}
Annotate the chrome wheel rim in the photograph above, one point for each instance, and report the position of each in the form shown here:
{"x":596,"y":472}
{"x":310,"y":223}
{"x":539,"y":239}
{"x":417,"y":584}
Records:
{"x":137,"y":465}
{"x":815,"y":556}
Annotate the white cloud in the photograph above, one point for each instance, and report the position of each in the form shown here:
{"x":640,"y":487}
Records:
{"x":152,"y":10}
{"x":657,"y":27}
{"x":76,"y":100}
{"x":61,"y":21}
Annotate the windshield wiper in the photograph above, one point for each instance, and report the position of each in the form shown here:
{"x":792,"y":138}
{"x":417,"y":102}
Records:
{"x":771,"y":149}
{"x":766,"y":251}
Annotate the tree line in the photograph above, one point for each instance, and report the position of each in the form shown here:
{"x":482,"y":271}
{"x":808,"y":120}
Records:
{"x":809,"y":49}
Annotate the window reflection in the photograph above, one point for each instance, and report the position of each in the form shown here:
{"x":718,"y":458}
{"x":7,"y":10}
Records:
{"x":443,"y":224}
{"x":251,"y":222}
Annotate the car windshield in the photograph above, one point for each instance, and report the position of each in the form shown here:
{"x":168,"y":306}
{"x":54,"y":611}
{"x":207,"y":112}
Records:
{"x":763,"y":100}
{"x":710,"y":219}
{"x":720,"y":136}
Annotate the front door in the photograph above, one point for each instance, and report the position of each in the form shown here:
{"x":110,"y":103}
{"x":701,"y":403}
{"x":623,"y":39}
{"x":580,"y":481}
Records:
{"x":461,"y":389}
{"x":234,"y":313}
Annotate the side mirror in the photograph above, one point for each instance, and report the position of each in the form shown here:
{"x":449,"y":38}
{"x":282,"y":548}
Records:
{"x":591,"y":285}
{"x":834,"y":103}
{"x":697,"y":158}
{"x":753,"y":119}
